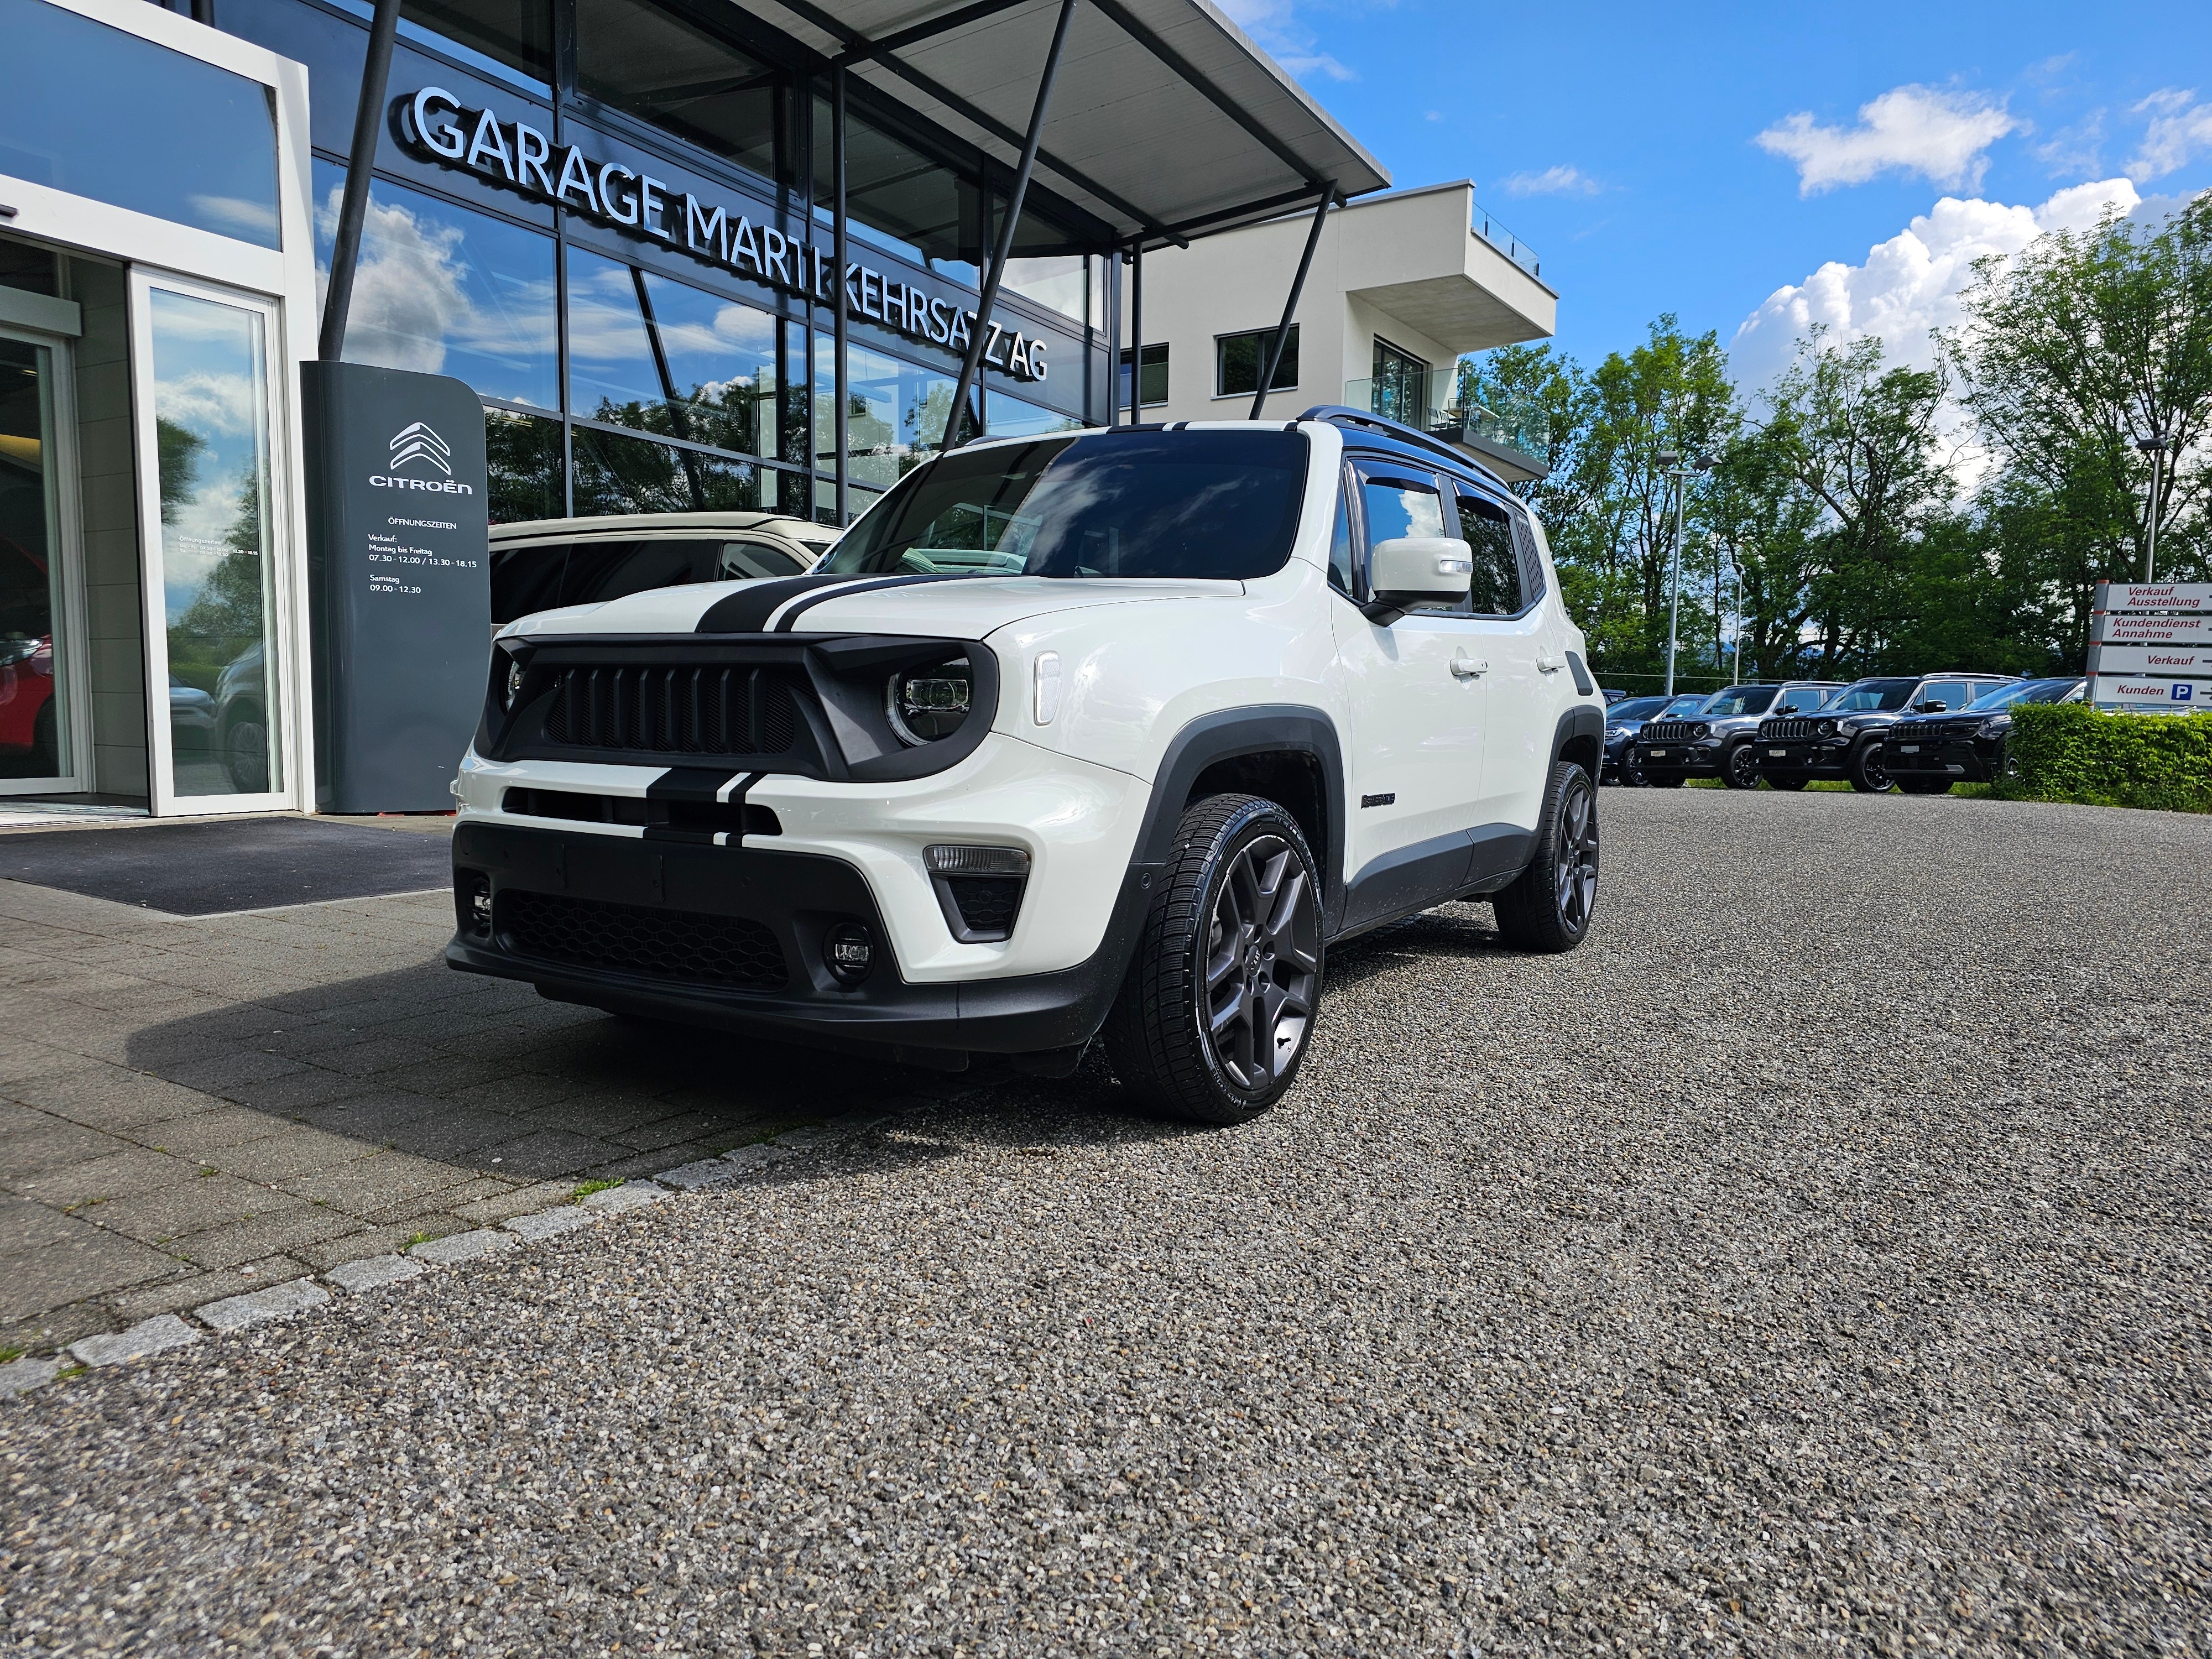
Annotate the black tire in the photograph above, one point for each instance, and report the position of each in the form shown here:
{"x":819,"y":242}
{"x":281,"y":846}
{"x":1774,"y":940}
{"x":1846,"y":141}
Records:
{"x":1867,"y":775}
{"x":1792,"y":785}
{"x":45,"y":744}
{"x":1926,"y":785}
{"x":1215,"y":1015}
{"x":1740,"y":767}
{"x":1549,"y":905}
{"x":245,"y":752}
{"x":1656,"y":782}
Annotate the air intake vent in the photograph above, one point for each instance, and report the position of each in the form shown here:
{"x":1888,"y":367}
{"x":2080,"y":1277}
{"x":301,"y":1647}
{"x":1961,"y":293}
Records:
{"x":735,"y":952}
{"x":704,"y":710}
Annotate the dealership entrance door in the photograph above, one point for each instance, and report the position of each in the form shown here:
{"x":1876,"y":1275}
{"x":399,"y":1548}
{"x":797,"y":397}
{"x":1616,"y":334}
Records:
{"x":41,"y":681}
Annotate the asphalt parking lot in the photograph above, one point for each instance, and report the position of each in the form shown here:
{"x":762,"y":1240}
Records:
{"x":1814,"y":1262}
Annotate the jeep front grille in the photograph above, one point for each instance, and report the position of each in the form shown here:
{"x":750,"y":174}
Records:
{"x":1934,"y":732}
{"x":1788,"y":728}
{"x":1667,"y":732}
{"x":735,"y":952}
{"x":711,"y":708}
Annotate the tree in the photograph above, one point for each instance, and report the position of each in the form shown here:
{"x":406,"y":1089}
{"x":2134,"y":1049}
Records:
{"x":2080,"y":347}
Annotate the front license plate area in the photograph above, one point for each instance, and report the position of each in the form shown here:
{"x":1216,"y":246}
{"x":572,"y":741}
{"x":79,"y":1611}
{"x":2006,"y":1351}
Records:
{"x":1778,"y":754}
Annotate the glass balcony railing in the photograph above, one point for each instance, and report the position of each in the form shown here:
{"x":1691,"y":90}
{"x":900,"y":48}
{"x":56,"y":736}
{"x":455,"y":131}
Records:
{"x":1505,"y":241}
{"x":1430,"y":402}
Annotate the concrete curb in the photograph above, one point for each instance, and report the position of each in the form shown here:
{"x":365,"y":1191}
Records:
{"x":168,"y":1333}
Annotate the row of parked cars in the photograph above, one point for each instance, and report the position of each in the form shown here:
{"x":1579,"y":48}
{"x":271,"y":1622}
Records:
{"x":1919,"y":733}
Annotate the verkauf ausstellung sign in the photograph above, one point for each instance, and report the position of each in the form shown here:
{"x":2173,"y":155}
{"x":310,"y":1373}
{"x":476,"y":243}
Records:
{"x":436,"y":126}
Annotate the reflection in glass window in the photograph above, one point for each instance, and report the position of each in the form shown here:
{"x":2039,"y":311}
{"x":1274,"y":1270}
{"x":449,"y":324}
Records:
{"x":664,"y":70}
{"x":446,"y":291}
{"x":524,"y":456}
{"x":34,"y":738}
{"x":895,"y":419}
{"x":1060,"y":280}
{"x":99,"y":112}
{"x":1011,"y":418}
{"x":1237,"y":357}
{"x":635,"y":475}
{"x":900,"y":199}
{"x":1156,"y":375}
{"x":212,"y":432}
{"x":661,"y":356}
{"x":1494,"y":589}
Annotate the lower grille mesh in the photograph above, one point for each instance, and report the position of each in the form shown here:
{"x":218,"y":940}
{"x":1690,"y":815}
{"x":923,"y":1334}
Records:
{"x":734,"y":951}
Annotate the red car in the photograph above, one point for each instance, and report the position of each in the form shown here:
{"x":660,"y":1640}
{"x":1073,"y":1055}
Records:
{"x":26,"y":664}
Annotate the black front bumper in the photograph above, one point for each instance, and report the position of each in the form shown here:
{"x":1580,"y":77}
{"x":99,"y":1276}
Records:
{"x":797,"y":897}
{"x":1961,"y":761}
{"x":1804,"y":759}
{"x":1688,"y":760}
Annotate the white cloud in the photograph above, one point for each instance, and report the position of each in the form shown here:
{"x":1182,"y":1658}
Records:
{"x":1941,"y":136}
{"x":1909,"y":286}
{"x":1552,"y":181}
{"x":2179,"y":129}
{"x":1274,"y":24}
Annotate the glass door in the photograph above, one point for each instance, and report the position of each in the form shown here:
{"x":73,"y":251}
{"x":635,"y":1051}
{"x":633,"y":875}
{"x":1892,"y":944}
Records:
{"x":215,"y":581}
{"x":38,"y":701}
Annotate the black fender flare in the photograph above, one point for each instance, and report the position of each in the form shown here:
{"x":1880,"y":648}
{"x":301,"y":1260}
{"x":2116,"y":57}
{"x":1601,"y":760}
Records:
{"x":1227,"y":735}
{"x":1583,"y":721}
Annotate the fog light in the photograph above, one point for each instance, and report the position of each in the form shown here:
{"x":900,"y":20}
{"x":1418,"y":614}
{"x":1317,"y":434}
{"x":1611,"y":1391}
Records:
{"x":472,"y":903}
{"x":848,"y":952}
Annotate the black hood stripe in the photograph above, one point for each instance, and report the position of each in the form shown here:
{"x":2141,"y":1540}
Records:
{"x":806,"y":602}
{"x":747,"y":611}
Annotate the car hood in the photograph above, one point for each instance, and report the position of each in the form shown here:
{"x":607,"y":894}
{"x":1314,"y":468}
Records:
{"x":945,"y":607}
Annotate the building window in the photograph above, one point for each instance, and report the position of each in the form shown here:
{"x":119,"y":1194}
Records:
{"x":516,"y":34}
{"x":524,"y":453}
{"x":894,"y":420}
{"x":1013,"y":417}
{"x":633,"y":475}
{"x":654,"y":65}
{"x":1237,"y":357}
{"x":99,"y":112}
{"x":662,"y":356}
{"x":1156,"y":376}
{"x":900,"y":199}
{"x":443,"y":290}
{"x":1401,"y":384}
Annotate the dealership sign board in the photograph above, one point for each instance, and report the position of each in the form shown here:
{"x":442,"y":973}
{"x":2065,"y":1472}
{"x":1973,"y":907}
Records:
{"x":2151,"y":647}
{"x":2183,"y":661}
{"x":2157,"y":597}
{"x":515,"y":155}
{"x":2169,"y":628}
{"x":2151,"y":696}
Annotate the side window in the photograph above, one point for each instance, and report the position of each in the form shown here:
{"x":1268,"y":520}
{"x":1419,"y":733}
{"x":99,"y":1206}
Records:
{"x":611,"y":570}
{"x":1340,"y":546}
{"x":1801,"y":701}
{"x":525,"y":580}
{"x":742,"y":559}
{"x":1496,"y":589}
{"x":1532,"y":562}
{"x":1952,"y":694}
{"x":1396,"y":502}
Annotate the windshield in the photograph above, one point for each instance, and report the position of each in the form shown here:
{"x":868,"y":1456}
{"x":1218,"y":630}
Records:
{"x":2025,"y":691}
{"x":1217,"y":505}
{"x":1742,"y":700}
{"x":1634,"y":709}
{"x":1690,"y":703}
{"x":1875,"y":694}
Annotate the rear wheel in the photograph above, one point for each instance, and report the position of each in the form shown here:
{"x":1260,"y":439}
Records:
{"x":1740,"y":767}
{"x":1548,"y":906}
{"x":1214,"y":1017}
{"x":1867,"y":775}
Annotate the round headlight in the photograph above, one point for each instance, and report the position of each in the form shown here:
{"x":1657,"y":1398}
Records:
{"x":511,"y":687}
{"x":926,"y":704}
{"x":1701,"y":730}
{"x":1827,"y":728}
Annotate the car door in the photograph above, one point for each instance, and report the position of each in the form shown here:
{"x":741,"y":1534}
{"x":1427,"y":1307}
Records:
{"x":1954,"y":695}
{"x":1507,"y":628}
{"x":1416,"y":698}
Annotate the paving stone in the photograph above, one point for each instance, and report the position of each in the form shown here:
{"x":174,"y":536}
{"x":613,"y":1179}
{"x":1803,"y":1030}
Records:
{"x":759,"y":1155}
{"x":193,"y":1285}
{"x":373,"y":1272}
{"x":368,"y":1185}
{"x":26,"y":1226}
{"x":295,"y":1151}
{"x":88,"y":1263}
{"x":463,"y":1246}
{"x":217,"y":1130}
{"x":149,"y":1336}
{"x":235,"y":1313}
{"x":547,"y":1154}
{"x":495,"y":1207}
{"x":128,"y":1170}
{"x":630,"y":1196}
{"x":694,"y":1177}
{"x":275,"y":1227}
{"x":192,"y":1203}
{"x":22,"y":1375}
{"x":550,"y":1223}
{"x":113,"y":1098}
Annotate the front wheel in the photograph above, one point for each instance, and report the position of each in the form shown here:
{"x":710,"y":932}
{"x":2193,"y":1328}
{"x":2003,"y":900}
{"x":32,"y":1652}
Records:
{"x":1548,"y":906}
{"x":1869,"y":776}
{"x":1214,"y":1017}
{"x":1740,"y":768}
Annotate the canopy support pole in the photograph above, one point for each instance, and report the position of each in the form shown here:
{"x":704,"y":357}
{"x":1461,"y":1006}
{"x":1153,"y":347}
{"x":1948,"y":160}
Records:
{"x":970,"y":364}
{"x":1137,"y":332}
{"x":353,"y":207}
{"x":840,"y":375}
{"x":1291,"y":305}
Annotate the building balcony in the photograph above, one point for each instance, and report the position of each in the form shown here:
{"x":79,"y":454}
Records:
{"x":1511,"y":440}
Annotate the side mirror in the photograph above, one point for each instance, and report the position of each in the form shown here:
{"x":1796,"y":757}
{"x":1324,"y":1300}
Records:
{"x":1420,"y":569}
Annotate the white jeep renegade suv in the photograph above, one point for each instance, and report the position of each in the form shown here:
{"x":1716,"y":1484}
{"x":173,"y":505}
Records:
{"x":1104,"y":734}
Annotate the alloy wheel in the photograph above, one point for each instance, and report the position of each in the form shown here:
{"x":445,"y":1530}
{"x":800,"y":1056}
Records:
{"x":1743,"y":767}
{"x":1263,"y":963}
{"x":1577,"y":871}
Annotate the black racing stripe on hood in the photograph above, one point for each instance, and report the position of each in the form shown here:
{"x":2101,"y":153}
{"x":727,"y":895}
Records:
{"x":807,"y":602}
{"x":747,"y":611}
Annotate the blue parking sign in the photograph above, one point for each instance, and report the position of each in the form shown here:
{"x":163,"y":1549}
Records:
{"x":2183,"y":690}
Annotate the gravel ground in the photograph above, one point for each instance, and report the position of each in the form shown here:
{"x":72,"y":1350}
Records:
{"x":1814,"y":1262}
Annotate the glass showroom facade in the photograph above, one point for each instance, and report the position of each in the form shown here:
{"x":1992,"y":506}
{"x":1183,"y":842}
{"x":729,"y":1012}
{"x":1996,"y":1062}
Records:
{"x":611,"y":218}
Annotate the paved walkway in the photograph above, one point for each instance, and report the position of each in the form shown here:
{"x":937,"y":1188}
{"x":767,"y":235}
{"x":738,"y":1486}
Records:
{"x":190,"y":1109}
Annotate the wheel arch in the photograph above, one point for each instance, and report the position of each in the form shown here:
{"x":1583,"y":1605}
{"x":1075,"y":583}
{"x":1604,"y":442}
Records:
{"x":1580,"y":738}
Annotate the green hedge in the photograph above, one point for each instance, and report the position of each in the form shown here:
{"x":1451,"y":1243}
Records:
{"x":2066,"y":751}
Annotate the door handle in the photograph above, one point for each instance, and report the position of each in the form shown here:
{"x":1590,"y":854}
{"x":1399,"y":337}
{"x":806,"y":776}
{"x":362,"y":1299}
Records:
{"x":1466,"y":668}
{"x":1550,"y":664}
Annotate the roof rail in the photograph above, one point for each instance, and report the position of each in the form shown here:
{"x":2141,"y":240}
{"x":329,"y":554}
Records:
{"x":1382,"y":426}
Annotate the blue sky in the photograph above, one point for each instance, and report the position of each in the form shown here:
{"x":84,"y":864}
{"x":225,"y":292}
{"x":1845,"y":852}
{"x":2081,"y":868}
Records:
{"x":1626,"y":141}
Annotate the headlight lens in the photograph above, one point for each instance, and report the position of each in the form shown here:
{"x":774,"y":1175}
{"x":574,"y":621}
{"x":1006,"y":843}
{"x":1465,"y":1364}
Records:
{"x":511,"y":687}
{"x":1701,"y":730}
{"x":926,"y":704}
{"x":1827,"y":728}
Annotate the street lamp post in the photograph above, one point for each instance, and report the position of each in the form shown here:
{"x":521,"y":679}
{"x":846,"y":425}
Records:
{"x":1735,"y":673}
{"x":2153,"y":447}
{"x":1670,"y":462}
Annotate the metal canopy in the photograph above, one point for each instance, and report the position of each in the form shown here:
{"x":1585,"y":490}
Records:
{"x":1168,"y":121}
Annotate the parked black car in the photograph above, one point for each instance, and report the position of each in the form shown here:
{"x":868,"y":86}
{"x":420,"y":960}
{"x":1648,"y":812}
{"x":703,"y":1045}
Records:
{"x":1928,"y":753}
{"x":1720,"y":740}
{"x":1844,"y":738}
{"x":1622,"y":722}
